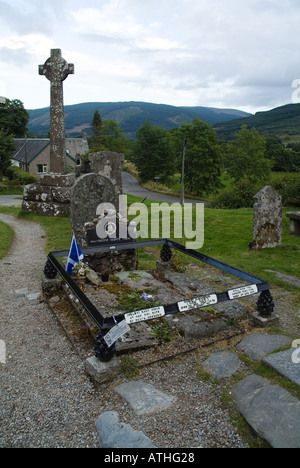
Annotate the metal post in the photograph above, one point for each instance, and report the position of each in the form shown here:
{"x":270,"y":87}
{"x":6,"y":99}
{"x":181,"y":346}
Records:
{"x":182,"y":172}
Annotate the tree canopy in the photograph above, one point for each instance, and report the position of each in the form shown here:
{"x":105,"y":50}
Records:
{"x":204,"y":156}
{"x":6,"y":151}
{"x":107,"y":135}
{"x":152,"y":153}
{"x":246,"y":157}
{"x":13,"y":118}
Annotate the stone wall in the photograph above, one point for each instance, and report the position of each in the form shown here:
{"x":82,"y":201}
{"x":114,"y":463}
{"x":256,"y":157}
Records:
{"x":50,"y":196}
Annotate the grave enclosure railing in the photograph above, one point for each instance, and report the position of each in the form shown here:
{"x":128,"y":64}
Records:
{"x":103,"y":351}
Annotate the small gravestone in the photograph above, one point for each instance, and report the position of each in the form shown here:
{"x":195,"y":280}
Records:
{"x":267,"y":226}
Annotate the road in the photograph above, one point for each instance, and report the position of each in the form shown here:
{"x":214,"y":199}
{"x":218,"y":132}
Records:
{"x":10,"y":200}
{"x":132,"y":187}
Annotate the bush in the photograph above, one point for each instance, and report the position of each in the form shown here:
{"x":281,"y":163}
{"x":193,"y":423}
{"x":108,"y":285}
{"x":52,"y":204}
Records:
{"x":289,"y":188}
{"x":240,"y":195}
{"x":16,"y":173}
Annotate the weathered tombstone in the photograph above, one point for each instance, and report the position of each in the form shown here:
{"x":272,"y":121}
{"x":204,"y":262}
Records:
{"x":267,"y":229}
{"x":56,"y":70}
{"x":87,"y":193}
{"x":108,"y":164}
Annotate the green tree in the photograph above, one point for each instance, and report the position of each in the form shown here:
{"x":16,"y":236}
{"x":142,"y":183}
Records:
{"x":7,"y":148}
{"x":113,"y":137}
{"x":152,"y":153}
{"x":246,"y":157}
{"x":13,"y":118}
{"x":96,"y":140}
{"x":282,"y":159}
{"x":203,"y":156}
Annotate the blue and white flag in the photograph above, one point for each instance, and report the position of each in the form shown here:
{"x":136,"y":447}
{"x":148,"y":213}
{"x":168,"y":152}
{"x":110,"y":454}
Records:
{"x":75,"y":256}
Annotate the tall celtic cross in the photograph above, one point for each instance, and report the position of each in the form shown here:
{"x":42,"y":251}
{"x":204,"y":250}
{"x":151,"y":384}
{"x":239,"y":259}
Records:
{"x":56,"y":70}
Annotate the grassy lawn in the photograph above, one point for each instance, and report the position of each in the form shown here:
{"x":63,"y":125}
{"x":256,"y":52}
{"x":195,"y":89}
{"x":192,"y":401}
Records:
{"x":9,"y":189}
{"x":56,"y":229}
{"x":226,"y":237}
{"x":6,"y":236}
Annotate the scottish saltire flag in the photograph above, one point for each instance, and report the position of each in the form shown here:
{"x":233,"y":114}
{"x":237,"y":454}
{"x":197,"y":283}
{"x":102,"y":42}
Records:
{"x":75,"y":256}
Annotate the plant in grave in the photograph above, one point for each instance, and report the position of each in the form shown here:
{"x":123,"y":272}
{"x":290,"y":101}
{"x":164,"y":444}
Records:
{"x":163,"y":331}
{"x":134,"y":301}
{"x":129,"y":367}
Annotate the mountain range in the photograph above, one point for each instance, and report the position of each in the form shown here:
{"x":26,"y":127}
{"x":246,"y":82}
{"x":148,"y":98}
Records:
{"x":128,"y":115}
{"x":282,"y":122}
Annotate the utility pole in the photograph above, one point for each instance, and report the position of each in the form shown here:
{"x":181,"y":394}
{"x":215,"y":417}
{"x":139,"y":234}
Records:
{"x":26,"y":155}
{"x":182,"y":172}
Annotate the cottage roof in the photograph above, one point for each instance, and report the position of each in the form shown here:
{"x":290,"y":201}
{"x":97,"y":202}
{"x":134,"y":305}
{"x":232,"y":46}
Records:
{"x":34,"y":146}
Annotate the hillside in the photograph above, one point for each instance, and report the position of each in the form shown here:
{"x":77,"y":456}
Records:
{"x":129,"y":115}
{"x":282,"y":122}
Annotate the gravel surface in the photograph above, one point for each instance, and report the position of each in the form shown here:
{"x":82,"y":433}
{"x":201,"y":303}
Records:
{"x":46,"y":398}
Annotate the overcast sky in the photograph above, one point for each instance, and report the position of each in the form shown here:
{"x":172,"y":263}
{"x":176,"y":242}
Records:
{"x":242,"y":54}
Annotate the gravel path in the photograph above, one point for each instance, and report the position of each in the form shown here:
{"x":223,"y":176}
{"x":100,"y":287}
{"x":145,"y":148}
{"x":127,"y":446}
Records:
{"x":46,"y":398}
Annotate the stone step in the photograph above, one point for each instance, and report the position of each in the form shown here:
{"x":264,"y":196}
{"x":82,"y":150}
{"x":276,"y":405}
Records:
{"x":285,"y":364}
{"x":271,"y":411}
{"x":115,"y":434}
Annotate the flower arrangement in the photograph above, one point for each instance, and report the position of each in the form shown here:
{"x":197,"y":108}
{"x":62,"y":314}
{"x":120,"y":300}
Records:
{"x":81,"y":269}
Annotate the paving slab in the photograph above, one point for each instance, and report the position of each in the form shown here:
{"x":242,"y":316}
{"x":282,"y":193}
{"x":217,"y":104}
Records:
{"x":272,"y":412}
{"x":221,"y":365}
{"x":143,"y":398}
{"x":286,"y":278}
{"x":282,"y":363}
{"x":115,"y":434}
{"x":258,"y":345}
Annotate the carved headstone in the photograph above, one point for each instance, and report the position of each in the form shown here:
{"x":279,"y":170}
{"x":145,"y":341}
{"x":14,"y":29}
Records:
{"x":87,"y":194}
{"x":56,"y":70}
{"x":267,"y":229}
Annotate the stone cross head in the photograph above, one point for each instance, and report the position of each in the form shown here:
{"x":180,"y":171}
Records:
{"x":56,"y":69}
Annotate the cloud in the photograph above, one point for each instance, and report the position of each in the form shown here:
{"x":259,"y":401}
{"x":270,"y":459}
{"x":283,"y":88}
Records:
{"x":34,"y":16}
{"x":218,"y":53}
